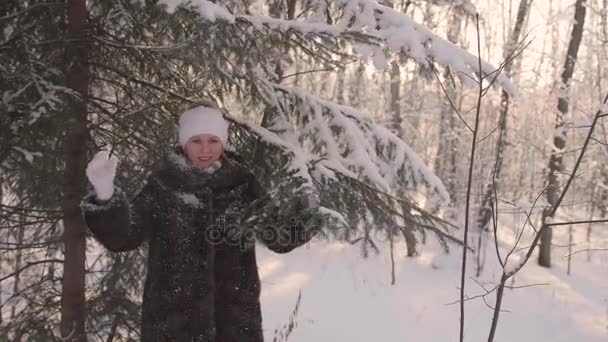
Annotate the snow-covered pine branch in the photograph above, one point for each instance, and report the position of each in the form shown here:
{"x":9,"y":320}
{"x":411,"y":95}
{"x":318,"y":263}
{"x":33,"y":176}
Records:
{"x":351,"y":145}
{"x":357,"y":167}
{"x":374,"y":30}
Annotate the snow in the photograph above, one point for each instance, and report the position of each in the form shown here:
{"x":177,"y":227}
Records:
{"x":299,"y":158}
{"x":8,"y":31}
{"x":381,"y":26}
{"x":514,"y":264}
{"x":259,"y":22}
{"x":179,"y":161}
{"x":189,"y":199}
{"x":347,"y":298}
{"x":333,"y":214}
{"x":29,"y":156}
{"x":351,"y":146}
{"x":206,"y":9}
{"x":347,"y":144}
{"x":380,"y":60}
{"x":404,"y":156}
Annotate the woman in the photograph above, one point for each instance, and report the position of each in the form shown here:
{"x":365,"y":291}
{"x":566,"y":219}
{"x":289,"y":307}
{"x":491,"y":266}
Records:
{"x":202,"y":282}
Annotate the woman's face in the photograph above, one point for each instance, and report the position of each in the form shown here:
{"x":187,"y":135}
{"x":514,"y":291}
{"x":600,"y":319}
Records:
{"x":203,"y":149}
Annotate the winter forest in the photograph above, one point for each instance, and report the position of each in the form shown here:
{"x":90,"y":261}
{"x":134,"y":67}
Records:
{"x":459,"y":149}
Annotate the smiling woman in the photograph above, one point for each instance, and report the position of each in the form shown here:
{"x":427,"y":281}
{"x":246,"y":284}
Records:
{"x":203,"y":132}
{"x":203,"y":150}
{"x":196,"y":212}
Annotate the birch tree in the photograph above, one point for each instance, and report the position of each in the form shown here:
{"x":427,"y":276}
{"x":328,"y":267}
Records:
{"x":555,"y":166}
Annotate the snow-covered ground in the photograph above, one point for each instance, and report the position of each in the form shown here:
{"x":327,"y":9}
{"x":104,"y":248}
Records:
{"x":347,"y":298}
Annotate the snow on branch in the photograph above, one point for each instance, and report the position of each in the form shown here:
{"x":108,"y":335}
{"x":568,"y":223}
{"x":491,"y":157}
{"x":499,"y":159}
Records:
{"x":34,"y":78}
{"x":373,"y":28}
{"x":357,"y":167}
{"x":349,"y":144}
{"x":327,"y":141}
{"x":300,"y":162}
{"x":207,"y":9}
{"x":401,"y":34}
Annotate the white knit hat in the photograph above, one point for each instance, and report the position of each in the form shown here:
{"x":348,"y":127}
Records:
{"x":202,"y":120}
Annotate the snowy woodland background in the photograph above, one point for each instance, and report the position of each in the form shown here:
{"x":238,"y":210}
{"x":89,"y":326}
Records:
{"x":377,"y":106}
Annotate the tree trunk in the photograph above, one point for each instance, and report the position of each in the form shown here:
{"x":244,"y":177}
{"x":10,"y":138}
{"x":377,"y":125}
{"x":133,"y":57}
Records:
{"x":396,"y":121}
{"x":18,"y":259}
{"x":355,"y":88}
{"x":603,"y":205}
{"x":590,"y":217}
{"x":392,"y":250}
{"x":488,"y":200}
{"x":339,"y":89}
{"x":485,"y":213}
{"x":570,"y":242}
{"x":74,"y":147}
{"x":395,"y":85}
{"x":445,"y":162}
{"x":396,"y":125}
{"x":1,"y":224}
{"x":559,"y":140}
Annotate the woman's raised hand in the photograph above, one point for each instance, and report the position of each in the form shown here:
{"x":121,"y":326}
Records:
{"x":101,"y":172}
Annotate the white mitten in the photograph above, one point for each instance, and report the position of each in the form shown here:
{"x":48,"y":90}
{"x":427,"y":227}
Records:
{"x":101,"y":171}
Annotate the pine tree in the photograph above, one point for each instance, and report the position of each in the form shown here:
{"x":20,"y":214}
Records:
{"x":147,"y":61}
